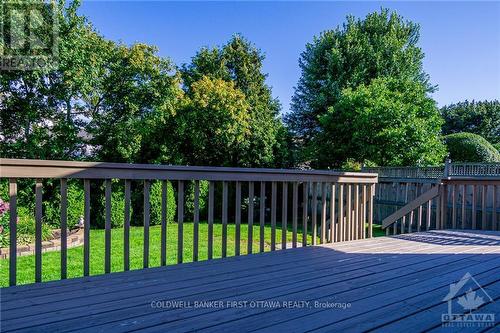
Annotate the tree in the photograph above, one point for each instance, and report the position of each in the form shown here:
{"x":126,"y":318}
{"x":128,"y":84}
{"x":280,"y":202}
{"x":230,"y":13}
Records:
{"x":137,"y":89}
{"x":214,"y":125}
{"x":387,"y":122}
{"x":240,"y":62}
{"x":40,"y":108}
{"x":482,"y":118}
{"x":381,"y":45}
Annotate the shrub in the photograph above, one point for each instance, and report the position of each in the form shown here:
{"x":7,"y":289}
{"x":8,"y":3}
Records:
{"x":469,"y":147}
{"x":155,"y":200}
{"x":75,"y":206}
{"x":26,"y":227}
{"x":189,"y":197}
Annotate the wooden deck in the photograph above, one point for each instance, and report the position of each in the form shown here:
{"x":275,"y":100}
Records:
{"x":387,"y":284}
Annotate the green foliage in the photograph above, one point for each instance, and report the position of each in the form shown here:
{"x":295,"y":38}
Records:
{"x":497,"y":146}
{"x":482,"y":118}
{"x":218,"y":103}
{"x":239,"y":64}
{"x":189,"y":197}
{"x":25,"y":228}
{"x":75,"y":206}
{"x":381,"y":45}
{"x":155,"y":200}
{"x":389,"y":122}
{"x":40,"y":108}
{"x":137,"y":89}
{"x":469,"y":147}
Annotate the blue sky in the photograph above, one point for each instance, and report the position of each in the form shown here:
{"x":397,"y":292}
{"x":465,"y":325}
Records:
{"x":461,"y":40}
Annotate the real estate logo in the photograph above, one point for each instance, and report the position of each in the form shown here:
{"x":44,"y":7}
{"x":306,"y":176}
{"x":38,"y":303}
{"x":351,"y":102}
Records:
{"x":463,"y":311}
{"x":28,"y":34}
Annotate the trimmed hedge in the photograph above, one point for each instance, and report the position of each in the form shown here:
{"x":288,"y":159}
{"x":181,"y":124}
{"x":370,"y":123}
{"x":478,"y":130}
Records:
{"x":469,"y":147}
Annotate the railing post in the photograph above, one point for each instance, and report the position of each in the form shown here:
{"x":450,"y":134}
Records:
{"x":447,"y":165}
{"x":13,"y":232}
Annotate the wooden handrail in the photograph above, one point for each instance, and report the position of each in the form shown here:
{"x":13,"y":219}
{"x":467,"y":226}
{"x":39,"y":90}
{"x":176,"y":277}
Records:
{"x":26,"y":168}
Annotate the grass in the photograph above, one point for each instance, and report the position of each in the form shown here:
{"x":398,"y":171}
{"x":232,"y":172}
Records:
{"x":51,"y":260}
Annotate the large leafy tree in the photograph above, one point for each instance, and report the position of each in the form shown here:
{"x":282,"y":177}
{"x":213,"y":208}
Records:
{"x":214,"y":124}
{"x":41,"y":115}
{"x":381,"y":45}
{"x":137,"y":89}
{"x":387,"y":122}
{"x":240,"y":62}
{"x":478,"y":117}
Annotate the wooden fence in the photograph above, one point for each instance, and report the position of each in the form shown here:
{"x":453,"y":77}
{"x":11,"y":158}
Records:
{"x":454,"y":203}
{"x":397,"y":186}
{"x":449,"y":169}
{"x":346,"y":215}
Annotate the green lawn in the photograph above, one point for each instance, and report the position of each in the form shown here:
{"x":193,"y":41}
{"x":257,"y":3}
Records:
{"x":51,"y":260}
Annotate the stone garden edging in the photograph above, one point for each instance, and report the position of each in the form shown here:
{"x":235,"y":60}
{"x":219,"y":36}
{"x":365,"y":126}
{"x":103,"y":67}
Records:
{"x":74,"y":238}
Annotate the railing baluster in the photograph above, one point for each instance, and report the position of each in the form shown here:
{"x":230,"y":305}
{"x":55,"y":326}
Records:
{"x":262,"y":212}
{"x":349,"y":212}
{"x":323,"y":213}
{"x":163,"y":241}
{"x":64,"y":228}
{"x":284,"y":216}
{"x":224,"y":218}
{"x":250,"y":217}
{"x":411,"y":222}
{"x":38,"y":230}
{"x":147,"y":209}
{"x":126,"y":228}
{"x":420,"y":212}
{"x":86,"y":229}
{"x":363,"y":213}
{"x":429,"y":214}
{"x":107,"y":227}
{"x":305,"y":190}
{"x":484,"y":191}
{"x":494,"y":215}
{"x":273,"y":214}
{"x":180,"y":222}
{"x":474,"y":195}
{"x":464,"y":201}
{"x":444,"y":205}
{"x":238,"y":219}
{"x":314,"y":212}
{"x":340,"y":224}
{"x":454,"y":207}
{"x":211,"y":190}
{"x":196,"y":219}
{"x":13,"y":232}
{"x":356,"y":212}
{"x":295,"y":207}
{"x":371,"y":194}
{"x":332,"y":216}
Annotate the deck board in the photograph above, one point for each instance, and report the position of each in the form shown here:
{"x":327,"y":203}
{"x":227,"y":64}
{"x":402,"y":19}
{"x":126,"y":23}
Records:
{"x":392,"y":283}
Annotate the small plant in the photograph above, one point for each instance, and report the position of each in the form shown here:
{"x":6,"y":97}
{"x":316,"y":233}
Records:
{"x":26,"y":228}
{"x":4,"y":223}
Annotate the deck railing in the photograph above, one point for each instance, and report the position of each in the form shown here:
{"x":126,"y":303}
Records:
{"x":347,"y":215}
{"x":455,"y":202}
